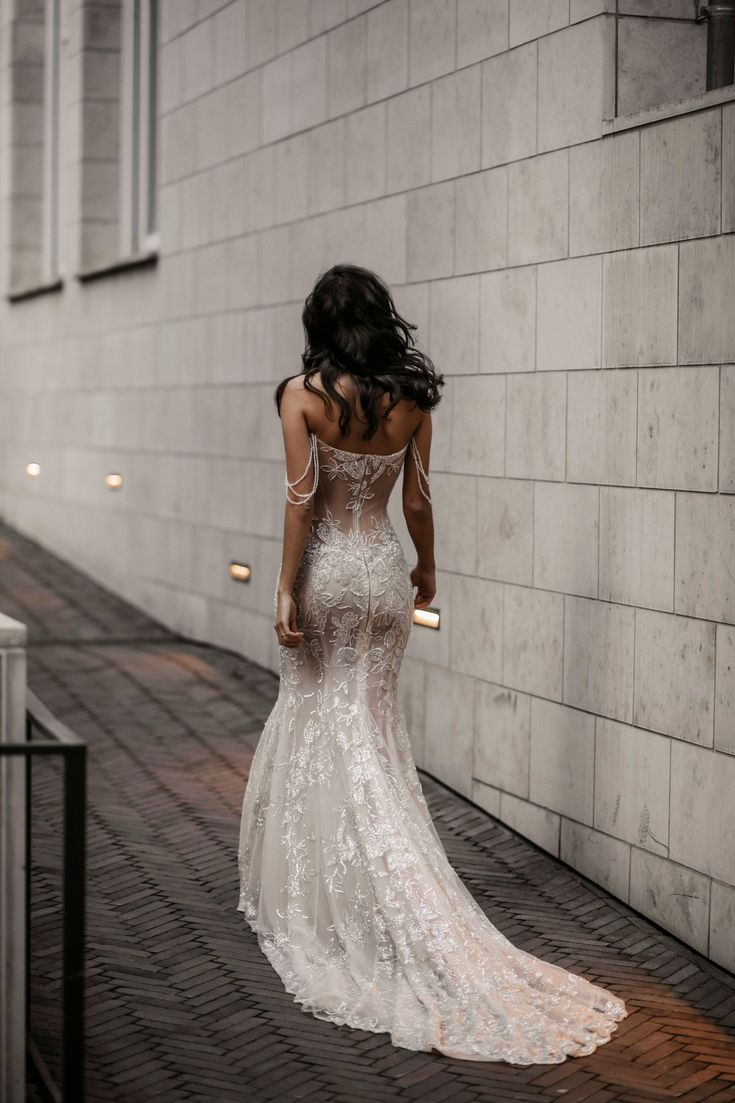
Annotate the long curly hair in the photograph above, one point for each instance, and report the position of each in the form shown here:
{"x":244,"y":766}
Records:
{"x":352,"y":326}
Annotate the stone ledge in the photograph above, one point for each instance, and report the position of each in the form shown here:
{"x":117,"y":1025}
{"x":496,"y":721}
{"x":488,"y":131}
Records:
{"x":671,"y":110}
{"x":17,"y":295}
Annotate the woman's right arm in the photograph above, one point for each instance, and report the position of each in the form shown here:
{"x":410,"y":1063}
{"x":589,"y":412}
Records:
{"x":418,"y":513}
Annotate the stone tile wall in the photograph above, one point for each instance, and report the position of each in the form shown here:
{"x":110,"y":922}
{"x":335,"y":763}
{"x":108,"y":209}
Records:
{"x":575,"y":288}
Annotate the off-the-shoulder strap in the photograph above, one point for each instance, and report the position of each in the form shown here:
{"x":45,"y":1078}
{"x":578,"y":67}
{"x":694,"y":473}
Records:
{"x":420,"y":470}
{"x":301,"y":497}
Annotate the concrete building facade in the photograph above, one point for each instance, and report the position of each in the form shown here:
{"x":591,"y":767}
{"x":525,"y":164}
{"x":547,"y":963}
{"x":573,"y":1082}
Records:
{"x":549,"y":189}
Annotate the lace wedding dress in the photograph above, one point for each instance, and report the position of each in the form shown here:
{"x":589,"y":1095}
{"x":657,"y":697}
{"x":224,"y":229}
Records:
{"x":343,"y":876}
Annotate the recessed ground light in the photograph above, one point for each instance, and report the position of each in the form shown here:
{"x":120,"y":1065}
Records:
{"x":240,"y":571}
{"x":427,"y":618}
{"x":114,"y":480}
{"x":33,"y":469}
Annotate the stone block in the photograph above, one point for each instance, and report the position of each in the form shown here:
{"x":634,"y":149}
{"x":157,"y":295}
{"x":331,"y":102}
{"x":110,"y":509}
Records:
{"x":637,"y":547}
{"x":728,"y":168}
{"x":308,"y":243}
{"x":366,"y":153}
{"x":293,"y":24}
{"x":276,"y":98}
{"x":598,"y":657}
{"x":575,"y":83}
{"x":408,"y":127}
{"x":675,"y":676}
{"x":538,"y":206}
{"x":482,"y":200}
{"x":482,"y":30}
{"x":702,"y":810}
{"x":642,"y":80}
{"x":727,"y":429}
{"x":680,"y":178}
{"x":432,"y":39}
{"x":562,"y":759}
{"x":243,"y":110}
{"x":325,"y":14}
{"x":529,"y":19}
{"x":486,"y":797}
{"x":565,"y":537}
{"x":537,"y":824}
{"x":601,"y":427}
{"x":677,"y":427}
{"x":455,"y":124}
{"x":705,"y":537}
{"x":673,"y":896}
{"x":604,"y":194}
{"x":347,"y":67}
{"x":532,"y":641}
{"x":476,"y":644}
{"x":261,"y":190}
{"x":449,"y":727}
{"x":478,"y":425}
{"x":639,"y":307}
{"x":508,"y":320}
{"x":706,"y":317}
{"x":309,"y":84}
{"x":505,"y":530}
{"x":569,"y":314}
{"x":454,"y":324}
{"x":387,"y":50}
{"x":346,"y":233}
{"x":722,"y":924}
{"x":604,"y":860}
{"x":384,"y":247}
{"x":291,"y":178}
{"x":725,"y":689}
{"x":261,"y":34}
{"x":273,"y":262}
{"x":502,"y":737}
{"x":431,"y":231}
{"x":455,"y":510}
{"x":632,"y":768}
{"x":327,"y":187}
{"x":509,"y":106}
{"x":536,"y":425}
{"x":230,"y":38}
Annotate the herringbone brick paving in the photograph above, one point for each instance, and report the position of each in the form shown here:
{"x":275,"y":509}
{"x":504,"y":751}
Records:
{"x":181,"y":1003}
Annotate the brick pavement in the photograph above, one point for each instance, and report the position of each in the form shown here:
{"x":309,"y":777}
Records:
{"x":181,"y":1004}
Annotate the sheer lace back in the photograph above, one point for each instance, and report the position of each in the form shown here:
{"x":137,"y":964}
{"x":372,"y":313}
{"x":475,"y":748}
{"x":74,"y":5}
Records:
{"x":353,"y":488}
{"x":343,"y":876}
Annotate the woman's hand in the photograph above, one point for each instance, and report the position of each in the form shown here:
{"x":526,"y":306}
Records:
{"x":285,"y":624}
{"x":424,"y":579}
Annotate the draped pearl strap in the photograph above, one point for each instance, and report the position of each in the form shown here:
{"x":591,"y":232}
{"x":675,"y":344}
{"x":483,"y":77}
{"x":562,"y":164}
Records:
{"x":301,"y":497}
{"x":420,"y":470}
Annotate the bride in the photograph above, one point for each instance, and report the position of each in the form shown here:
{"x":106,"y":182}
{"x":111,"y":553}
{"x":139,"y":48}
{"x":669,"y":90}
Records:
{"x":343,"y":876}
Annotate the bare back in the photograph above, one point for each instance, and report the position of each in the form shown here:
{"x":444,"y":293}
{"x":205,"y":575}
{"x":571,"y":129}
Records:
{"x":392,"y":434}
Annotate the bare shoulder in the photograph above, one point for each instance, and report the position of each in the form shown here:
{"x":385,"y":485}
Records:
{"x":294,"y":385}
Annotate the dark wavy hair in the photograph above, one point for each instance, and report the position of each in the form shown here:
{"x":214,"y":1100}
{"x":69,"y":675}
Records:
{"x":352,"y":325}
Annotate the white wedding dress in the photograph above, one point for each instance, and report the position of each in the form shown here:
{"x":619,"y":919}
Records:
{"x":342,"y":874}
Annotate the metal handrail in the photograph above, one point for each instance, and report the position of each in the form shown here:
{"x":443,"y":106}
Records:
{"x":73,"y":750}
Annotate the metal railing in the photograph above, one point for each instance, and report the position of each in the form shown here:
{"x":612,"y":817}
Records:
{"x":59,"y":740}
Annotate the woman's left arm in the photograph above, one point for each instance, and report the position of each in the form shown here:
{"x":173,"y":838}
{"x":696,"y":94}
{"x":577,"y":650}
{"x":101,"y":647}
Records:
{"x":298,"y":513}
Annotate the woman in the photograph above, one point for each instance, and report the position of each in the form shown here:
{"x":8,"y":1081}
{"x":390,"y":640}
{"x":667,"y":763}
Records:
{"x":342,"y":874}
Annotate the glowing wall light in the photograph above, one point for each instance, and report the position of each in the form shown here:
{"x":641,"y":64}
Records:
{"x":427,"y":618}
{"x":33,"y":469}
{"x":113,"y":480}
{"x":240,"y":571}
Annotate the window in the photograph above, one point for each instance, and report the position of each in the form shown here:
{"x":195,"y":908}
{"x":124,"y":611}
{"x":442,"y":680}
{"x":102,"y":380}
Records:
{"x":52,"y":93}
{"x":33,"y":118}
{"x":138,"y":127}
{"x":118,"y":129}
